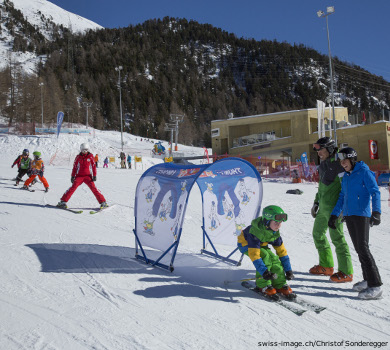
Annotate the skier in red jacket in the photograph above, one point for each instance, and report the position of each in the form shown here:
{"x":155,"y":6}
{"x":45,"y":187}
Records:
{"x":84,"y":171}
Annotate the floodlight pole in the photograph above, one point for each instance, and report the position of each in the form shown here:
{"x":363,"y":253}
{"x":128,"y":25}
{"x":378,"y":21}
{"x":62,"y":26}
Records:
{"x":118,"y":69}
{"x":329,"y":11}
{"x":41,"y":85}
{"x":87,"y":105}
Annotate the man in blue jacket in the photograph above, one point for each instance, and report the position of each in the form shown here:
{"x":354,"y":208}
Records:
{"x":358,"y":188}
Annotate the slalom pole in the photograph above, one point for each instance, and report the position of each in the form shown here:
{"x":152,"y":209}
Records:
{"x":243,"y":280}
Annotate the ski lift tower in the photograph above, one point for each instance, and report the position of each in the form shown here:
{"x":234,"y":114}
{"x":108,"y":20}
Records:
{"x":175,"y":119}
{"x":170,"y":127}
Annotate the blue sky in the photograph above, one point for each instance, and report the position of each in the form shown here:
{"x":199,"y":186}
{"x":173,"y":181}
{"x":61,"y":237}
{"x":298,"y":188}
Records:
{"x":359,"y":29}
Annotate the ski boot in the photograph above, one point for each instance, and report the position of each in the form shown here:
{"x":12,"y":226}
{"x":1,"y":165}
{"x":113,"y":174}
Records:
{"x":17,"y":182}
{"x":62,"y":205}
{"x":359,"y":286}
{"x":320,"y":270}
{"x":25,"y":187}
{"x":103,"y":205}
{"x":371,"y":293}
{"x":268,"y":291}
{"x":46,"y":189}
{"x":341,"y":277}
{"x":287,"y":292}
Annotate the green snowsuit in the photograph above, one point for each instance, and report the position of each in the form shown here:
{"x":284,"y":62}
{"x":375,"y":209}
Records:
{"x":253,"y":241}
{"x":326,"y":197}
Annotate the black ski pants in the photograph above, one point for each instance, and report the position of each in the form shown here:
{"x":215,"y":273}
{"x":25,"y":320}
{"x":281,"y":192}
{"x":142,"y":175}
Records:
{"x":21,"y":173}
{"x":359,"y":227}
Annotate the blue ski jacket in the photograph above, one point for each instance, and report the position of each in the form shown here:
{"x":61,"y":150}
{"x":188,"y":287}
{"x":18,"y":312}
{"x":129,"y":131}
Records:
{"x":357,"y":189}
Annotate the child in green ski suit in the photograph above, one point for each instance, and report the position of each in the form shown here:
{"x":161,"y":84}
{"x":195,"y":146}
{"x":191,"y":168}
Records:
{"x":271,"y":270}
{"x":329,"y":188}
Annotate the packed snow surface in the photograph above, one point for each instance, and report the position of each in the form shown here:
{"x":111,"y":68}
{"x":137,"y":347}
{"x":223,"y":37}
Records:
{"x":70,"y":281}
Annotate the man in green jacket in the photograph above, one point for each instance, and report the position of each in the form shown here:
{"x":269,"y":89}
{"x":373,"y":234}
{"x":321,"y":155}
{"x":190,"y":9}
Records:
{"x":326,"y":198}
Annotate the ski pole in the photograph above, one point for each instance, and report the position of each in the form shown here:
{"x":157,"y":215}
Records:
{"x":243,"y":280}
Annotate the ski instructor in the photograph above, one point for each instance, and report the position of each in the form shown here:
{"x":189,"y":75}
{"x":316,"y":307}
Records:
{"x":84,"y":171}
{"x":329,"y":187}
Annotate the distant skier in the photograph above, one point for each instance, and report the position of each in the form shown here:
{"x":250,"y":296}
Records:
{"x":97,"y":160}
{"x":129,"y":161}
{"x":37,"y":168}
{"x":358,"y":190}
{"x":105,"y":165}
{"x":271,"y":270}
{"x":122,"y":157}
{"x":23,"y":161}
{"x":84,"y":171}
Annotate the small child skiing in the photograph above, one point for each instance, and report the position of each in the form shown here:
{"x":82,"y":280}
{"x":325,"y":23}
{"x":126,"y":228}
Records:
{"x":97,"y":160}
{"x":23,"y":161}
{"x":105,"y":163}
{"x":271,"y":270}
{"x":37,"y":168}
{"x":84,"y":171}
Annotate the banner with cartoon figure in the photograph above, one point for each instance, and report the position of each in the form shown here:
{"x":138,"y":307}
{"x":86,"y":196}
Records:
{"x":161,"y":198}
{"x":232,"y":193}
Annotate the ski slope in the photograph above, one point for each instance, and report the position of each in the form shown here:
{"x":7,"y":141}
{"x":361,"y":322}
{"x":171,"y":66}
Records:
{"x":70,"y":281}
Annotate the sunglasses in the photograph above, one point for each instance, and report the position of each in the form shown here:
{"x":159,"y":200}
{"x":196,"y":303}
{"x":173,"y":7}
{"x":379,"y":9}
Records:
{"x":280,"y":217}
{"x":317,"y":147}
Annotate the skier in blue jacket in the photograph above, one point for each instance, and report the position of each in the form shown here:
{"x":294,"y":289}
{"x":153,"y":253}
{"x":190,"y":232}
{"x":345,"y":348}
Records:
{"x":358,"y":189}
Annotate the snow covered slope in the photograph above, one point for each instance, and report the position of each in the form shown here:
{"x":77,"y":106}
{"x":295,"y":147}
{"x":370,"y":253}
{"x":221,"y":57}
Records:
{"x":37,"y":13}
{"x":70,"y":281}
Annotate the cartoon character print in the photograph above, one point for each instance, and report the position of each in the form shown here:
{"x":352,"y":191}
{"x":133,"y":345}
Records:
{"x":227,"y":208}
{"x":175,"y":226}
{"x":239,"y":223}
{"x":183,"y":186}
{"x":213,"y":217}
{"x":244,"y":192}
{"x":148,"y":223}
{"x":165,"y":209}
{"x":151,"y":190}
{"x":209,"y":186}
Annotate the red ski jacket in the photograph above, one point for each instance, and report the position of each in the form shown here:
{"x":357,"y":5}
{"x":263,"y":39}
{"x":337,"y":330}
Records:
{"x":84,"y":164}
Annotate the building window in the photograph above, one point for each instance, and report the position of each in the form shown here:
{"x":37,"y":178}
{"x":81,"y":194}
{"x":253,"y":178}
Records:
{"x":215,"y":132}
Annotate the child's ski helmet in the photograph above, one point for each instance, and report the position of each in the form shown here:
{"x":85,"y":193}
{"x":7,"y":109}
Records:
{"x":84,"y":146}
{"x":37,"y":154}
{"x":348,"y":153}
{"x":275,"y":213}
{"x":26,"y":152}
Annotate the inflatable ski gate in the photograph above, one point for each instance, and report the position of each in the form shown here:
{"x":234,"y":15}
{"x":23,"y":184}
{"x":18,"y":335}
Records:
{"x":231,"y":190}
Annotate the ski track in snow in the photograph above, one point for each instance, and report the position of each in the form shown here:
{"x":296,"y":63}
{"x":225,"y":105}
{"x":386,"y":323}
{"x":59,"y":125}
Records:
{"x":71,"y":281}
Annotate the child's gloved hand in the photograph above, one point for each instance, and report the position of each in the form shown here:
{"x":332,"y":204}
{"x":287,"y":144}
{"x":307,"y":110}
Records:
{"x":269,"y":275}
{"x":289,"y":275}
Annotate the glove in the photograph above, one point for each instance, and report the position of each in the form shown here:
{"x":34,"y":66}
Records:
{"x":375,"y":218}
{"x":40,"y":173}
{"x":314,"y":209}
{"x":332,"y":222}
{"x":269,"y":275}
{"x":12,"y":166}
{"x":93,"y":178}
{"x":72,"y":179}
{"x":290,"y":275}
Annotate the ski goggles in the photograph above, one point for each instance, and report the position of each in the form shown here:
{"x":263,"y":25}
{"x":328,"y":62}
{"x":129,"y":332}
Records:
{"x":280,"y":217}
{"x":317,"y":146}
{"x":343,"y":156}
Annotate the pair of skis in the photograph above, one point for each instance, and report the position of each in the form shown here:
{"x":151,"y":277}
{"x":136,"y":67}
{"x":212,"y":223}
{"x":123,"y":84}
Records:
{"x":297,"y":305}
{"x":78,"y":211}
